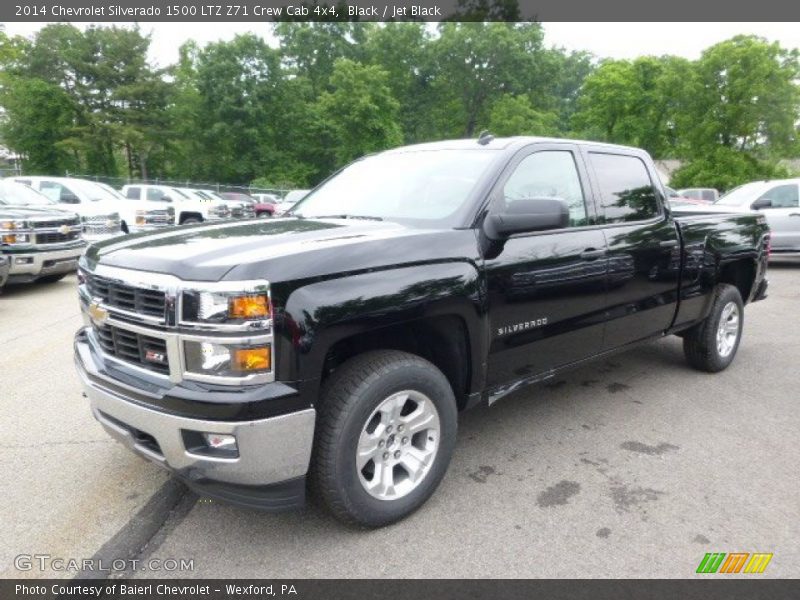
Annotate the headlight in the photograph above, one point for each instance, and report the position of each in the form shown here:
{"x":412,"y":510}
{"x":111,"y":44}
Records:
{"x":14,"y":238}
{"x":223,"y":306}
{"x":227,"y":360}
{"x":141,"y":217}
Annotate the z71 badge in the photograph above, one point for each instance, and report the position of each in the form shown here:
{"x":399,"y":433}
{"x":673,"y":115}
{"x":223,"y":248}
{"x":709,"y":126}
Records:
{"x":524,"y":326}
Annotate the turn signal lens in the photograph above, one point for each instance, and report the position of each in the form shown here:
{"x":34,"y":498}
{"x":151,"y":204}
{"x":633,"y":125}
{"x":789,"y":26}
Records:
{"x":9,"y":239}
{"x":252,"y":359}
{"x":248,"y":307}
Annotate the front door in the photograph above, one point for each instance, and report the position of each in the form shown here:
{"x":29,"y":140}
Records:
{"x":546,"y":289}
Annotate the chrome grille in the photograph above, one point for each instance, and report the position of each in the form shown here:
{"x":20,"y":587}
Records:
{"x":55,"y":237}
{"x":47,"y":232}
{"x":126,"y":297}
{"x":102,"y":225}
{"x":131,"y":347}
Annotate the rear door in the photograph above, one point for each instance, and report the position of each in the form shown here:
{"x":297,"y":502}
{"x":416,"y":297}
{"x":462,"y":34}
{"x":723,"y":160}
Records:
{"x":643,"y":246}
{"x":781,"y":207}
{"x":546,"y":289}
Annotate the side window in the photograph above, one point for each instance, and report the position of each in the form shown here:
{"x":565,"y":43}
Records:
{"x":626,"y":191}
{"x":708,"y":195}
{"x":58,"y":193}
{"x":133,"y":193}
{"x":549,"y":174}
{"x":782,"y":196}
{"x":155,"y":194}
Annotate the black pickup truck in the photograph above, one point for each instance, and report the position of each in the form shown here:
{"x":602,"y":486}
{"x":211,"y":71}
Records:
{"x":334,"y":348}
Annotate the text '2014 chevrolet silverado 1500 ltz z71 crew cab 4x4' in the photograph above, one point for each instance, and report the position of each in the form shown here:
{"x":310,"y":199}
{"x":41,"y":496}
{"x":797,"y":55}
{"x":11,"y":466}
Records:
{"x":334,"y":347}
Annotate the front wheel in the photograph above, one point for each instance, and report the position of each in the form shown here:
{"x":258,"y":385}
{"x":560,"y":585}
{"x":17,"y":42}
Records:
{"x":711,"y":345}
{"x":385,"y":434}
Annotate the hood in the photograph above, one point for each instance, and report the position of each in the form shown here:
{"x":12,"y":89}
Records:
{"x":280,"y":249}
{"x":9,"y":211}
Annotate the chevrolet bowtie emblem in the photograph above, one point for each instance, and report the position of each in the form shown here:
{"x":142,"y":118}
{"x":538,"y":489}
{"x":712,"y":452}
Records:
{"x":97,"y":313}
{"x":64,"y":229}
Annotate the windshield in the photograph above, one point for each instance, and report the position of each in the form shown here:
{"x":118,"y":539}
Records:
{"x":94,"y":192}
{"x":744,"y":194}
{"x":13,"y":193}
{"x":425,"y":188}
{"x":110,"y":191}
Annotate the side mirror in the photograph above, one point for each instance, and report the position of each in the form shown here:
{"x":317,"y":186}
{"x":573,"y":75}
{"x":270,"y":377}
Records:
{"x":69,"y":198}
{"x":761,"y":203}
{"x":528,"y":214}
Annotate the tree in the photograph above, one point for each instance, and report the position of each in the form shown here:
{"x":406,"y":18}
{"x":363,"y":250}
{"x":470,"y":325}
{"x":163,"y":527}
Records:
{"x":724,"y":168}
{"x":515,"y":115}
{"x":476,"y":63}
{"x":745,"y":96}
{"x":360,"y":111}
{"x":637,"y":102}
{"x":38,"y":119}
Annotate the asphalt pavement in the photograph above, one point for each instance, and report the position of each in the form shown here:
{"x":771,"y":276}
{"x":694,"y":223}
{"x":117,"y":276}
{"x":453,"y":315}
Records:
{"x":635,"y":466}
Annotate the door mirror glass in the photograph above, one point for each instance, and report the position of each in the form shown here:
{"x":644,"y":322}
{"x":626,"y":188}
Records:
{"x":527,"y":215}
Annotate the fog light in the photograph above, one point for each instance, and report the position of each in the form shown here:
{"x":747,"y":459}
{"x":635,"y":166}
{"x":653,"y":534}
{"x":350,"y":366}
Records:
{"x":221,"y":441}
{"x":24,"y":260}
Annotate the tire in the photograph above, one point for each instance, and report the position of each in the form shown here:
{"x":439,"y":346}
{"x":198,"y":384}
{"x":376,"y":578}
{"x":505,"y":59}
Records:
{"x":357,"y":397}
{"x":191,"y":221}
{"x":52,"y":278}
{"x":703,"y":345}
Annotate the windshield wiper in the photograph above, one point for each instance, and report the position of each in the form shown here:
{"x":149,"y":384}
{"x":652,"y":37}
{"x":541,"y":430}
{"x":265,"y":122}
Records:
{"x":362,"y":217}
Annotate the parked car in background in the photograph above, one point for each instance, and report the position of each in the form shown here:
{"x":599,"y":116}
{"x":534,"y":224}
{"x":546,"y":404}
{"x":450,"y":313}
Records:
{"x":706,"y":195}
{"x":266,"y":204}
{"x":258,"y":208}
{"x":289,"y":201}
{"x":240,"y":208}
{"x":188,"y":208}
{"x":675,"y":199}
{"x":139,"y":215}
{"x":100,"y":215}
{"x":778,"y":200}
{"x":40,"y":240}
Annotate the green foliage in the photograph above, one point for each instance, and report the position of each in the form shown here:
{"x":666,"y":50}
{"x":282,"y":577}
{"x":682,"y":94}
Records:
{"x":239,"y":110}
{"x":724,"y":168}
{"x":515,"y":115}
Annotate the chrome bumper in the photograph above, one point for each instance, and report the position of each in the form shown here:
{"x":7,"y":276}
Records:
{"x":27,"y":266}
{"x":271,"y":450}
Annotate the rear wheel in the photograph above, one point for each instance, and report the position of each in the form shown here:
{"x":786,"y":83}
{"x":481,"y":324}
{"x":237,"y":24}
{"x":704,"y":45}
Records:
{"x":711,"y":345}
{"x":191,"y":220}
{"x":385,"y":434}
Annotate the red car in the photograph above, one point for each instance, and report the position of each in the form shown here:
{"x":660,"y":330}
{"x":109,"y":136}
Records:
{"x":263,"y":209}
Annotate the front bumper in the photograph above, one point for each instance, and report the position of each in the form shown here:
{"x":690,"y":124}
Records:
{"x":274,"y":453}
{"x":30,"y":266}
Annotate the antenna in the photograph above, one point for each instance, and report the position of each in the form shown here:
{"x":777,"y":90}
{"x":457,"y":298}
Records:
{"x":485,"y":137}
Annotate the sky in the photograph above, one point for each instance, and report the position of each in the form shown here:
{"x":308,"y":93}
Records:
{"x":605,"y":40}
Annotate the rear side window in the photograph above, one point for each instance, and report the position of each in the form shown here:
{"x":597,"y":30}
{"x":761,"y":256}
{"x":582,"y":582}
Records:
{"x":782,"y":196}
{"x":134,"y":193}
{"x":708,"y":195}
{"x":626,"y":191}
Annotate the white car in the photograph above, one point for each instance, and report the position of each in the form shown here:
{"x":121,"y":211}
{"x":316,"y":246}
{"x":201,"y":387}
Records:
{"x":100,"y":216}
{"x":138,"y":215}
{"x":778,"y":200}
{"x":188,"y":208}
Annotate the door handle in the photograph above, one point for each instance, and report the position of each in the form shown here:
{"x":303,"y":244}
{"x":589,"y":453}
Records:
{"x":668,"y":243}
{"x":593,"y":253}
